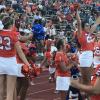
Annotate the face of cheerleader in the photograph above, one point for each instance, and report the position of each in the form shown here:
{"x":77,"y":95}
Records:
{"x":87,"y":27}
{"x":64,"y":45}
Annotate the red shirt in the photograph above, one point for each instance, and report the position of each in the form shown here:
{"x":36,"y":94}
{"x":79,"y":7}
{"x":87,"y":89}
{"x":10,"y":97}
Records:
{"x":69,"y":18}
{"x":8,"y":40}
{"x":86,"y":41}
{"x":88,"y":1}
{"x":98,"y":4}
{"x":97,"y":49}
{"x":72,"y":7}
{"x":25,"y":50}
{"x":48,"y":55}
{"x":97,"y":71}
{"x":60,"y":56}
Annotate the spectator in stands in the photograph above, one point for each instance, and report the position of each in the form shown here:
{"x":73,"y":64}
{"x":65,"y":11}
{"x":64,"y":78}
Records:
{"x":37,"y":16}
{"x":34,"y":8}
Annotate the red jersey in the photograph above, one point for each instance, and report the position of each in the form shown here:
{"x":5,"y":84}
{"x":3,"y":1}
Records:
{"x":97,"y":71}
{"x":86,"y":41}
{"x":8,"y":40}
{"x":48,"y":55}
{"x":60,"y":56}
{"x":25,"y":50}
{"x":97,"y":49}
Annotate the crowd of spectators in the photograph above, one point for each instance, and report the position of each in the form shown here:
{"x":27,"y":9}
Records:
{"x":58,"y":16}
{"x":58,"y":11}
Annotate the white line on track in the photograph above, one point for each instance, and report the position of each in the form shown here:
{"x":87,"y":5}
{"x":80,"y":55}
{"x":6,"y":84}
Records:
{"x":40,"y":91}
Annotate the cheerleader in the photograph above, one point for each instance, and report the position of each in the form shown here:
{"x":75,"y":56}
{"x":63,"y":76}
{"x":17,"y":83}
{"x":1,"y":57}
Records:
{"x":86,"y":41}
{"x":9,"y":45}
{"x":22,"y":81}
{"x":62,"y":69}
{"x":48,"y":59}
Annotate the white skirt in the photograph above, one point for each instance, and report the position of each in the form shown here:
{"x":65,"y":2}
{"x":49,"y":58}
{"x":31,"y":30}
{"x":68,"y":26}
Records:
{"x":86,"y":59}
{"x":9,"y":66}
{"x":19,"y":71}
{"x":62,"y":83}
{"x":96,"y":61}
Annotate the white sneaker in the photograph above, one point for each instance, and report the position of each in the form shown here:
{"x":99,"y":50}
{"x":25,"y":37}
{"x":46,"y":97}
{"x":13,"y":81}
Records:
{"x":32,"y":83}
{"x":50,"y":78}
{"x":56,"y":91}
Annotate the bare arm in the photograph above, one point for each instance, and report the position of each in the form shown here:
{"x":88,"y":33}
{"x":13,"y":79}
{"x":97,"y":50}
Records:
{"x":96,"y":88}
{"x":88,"y":88}
{"x":21,"y":54}
{"x":78,"y":23}
{"x":85,"y":88}
{"x":93,"y":28}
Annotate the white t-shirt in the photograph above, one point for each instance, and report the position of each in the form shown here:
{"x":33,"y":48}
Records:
{"x":53,"y":48}
{"x":2,"y":6}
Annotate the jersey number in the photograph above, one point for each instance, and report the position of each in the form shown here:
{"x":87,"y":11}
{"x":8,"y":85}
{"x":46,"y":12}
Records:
{"x":89,"y":39}
{"x":5,"y":43}
{"x":97,"y":50}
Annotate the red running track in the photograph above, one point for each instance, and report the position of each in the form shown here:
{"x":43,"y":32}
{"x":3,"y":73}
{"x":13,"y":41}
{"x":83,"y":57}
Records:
{"x":42,"y":90}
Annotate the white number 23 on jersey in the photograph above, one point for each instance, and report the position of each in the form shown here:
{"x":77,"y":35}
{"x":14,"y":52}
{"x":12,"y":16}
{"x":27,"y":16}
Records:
{"x":89,"y":39}
{"x":5,"y":43}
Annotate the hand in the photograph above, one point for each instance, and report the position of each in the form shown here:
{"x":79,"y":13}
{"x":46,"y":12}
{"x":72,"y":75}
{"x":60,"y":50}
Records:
{"x":25,"y":70}
{"x":75,"y":83}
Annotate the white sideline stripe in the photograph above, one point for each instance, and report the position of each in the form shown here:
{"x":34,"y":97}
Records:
{"x":40,"y":83}
{"x":40,"y":91}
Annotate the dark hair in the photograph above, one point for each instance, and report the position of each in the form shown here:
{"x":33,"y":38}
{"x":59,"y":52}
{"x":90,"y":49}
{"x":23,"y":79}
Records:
{"x":40,"y":21}
{"x":59,"y":44}
{"x":2,"y":10}
{"x":36,"y":21}
{"x":22,"y":33}
{"x":7,"y":21}
{"x":37,"y":13}
{"x":83,"y":23}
